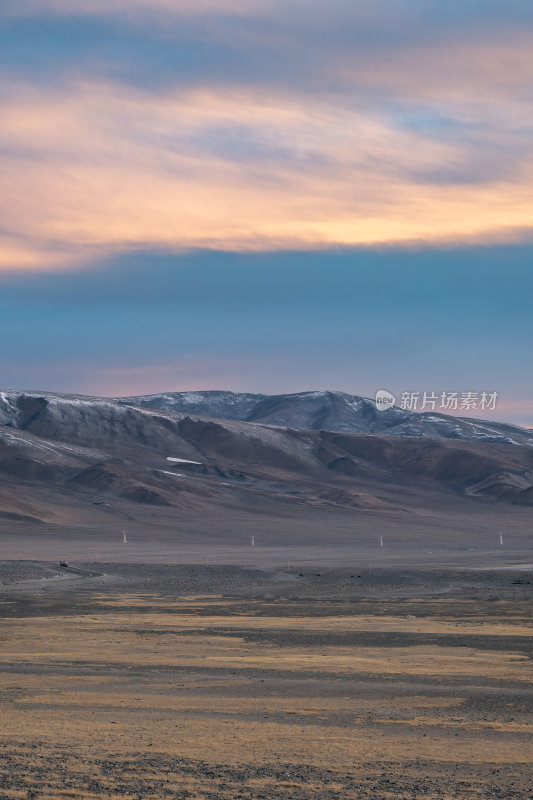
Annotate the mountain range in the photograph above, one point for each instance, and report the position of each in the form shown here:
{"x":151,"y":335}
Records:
{"x":333,"y":411}
{"x":66,"y":458}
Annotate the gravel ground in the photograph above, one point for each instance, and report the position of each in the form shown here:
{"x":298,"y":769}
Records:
{"x":217,"y":683}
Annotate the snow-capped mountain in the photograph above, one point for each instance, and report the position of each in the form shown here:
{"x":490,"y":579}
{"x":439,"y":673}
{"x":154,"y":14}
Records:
{"x":328,"y":410}
{"x":58,"y":450}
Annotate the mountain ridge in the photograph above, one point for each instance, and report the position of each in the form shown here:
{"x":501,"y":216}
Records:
{"x":71,"y":451}
{"x":329,"y":410}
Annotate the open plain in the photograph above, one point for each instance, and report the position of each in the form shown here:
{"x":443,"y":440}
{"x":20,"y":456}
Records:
{"x":221,"y":682}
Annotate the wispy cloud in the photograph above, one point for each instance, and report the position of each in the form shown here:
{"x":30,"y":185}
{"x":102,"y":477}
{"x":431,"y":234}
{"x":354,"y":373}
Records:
{"x":103,"y":167}
{"x":249,"y":125}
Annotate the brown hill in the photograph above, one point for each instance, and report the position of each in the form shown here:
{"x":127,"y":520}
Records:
{"x":58,"y":451}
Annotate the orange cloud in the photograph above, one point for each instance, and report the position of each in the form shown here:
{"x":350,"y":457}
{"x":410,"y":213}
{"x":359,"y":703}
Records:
{"x":103,"y":168}
{"x":34,"y":254}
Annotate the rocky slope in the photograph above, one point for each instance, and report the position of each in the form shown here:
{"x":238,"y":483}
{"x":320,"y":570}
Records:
{"x":55,"y":448}
{"x":334,"y":411}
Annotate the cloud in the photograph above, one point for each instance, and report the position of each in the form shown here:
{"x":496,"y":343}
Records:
{"x":150,"y":8}
{"x":104,"y":169}
{"x":339,"y":47}
{"x":28,"y":254}
{"x":261,"y":126}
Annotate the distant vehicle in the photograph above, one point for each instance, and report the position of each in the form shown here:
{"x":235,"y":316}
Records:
{"x":63,"y":563}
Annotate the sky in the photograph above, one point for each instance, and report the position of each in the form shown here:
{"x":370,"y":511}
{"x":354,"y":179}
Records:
{"x":268,"y":195}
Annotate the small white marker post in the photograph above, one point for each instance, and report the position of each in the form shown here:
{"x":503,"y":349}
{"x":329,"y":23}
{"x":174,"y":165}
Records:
{"x":252,"y":541}
{"x":381,"y":541}
{"x":501,"y":540}
{"x":125,"y":538}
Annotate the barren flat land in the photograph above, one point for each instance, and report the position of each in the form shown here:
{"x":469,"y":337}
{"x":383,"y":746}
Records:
{"x":215,"y":682}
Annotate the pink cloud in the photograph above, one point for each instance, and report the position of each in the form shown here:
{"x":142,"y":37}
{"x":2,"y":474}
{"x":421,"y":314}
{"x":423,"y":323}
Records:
{"x":94,"y":173}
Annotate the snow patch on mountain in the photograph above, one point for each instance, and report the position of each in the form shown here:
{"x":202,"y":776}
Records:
{"x":181,"y":461}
